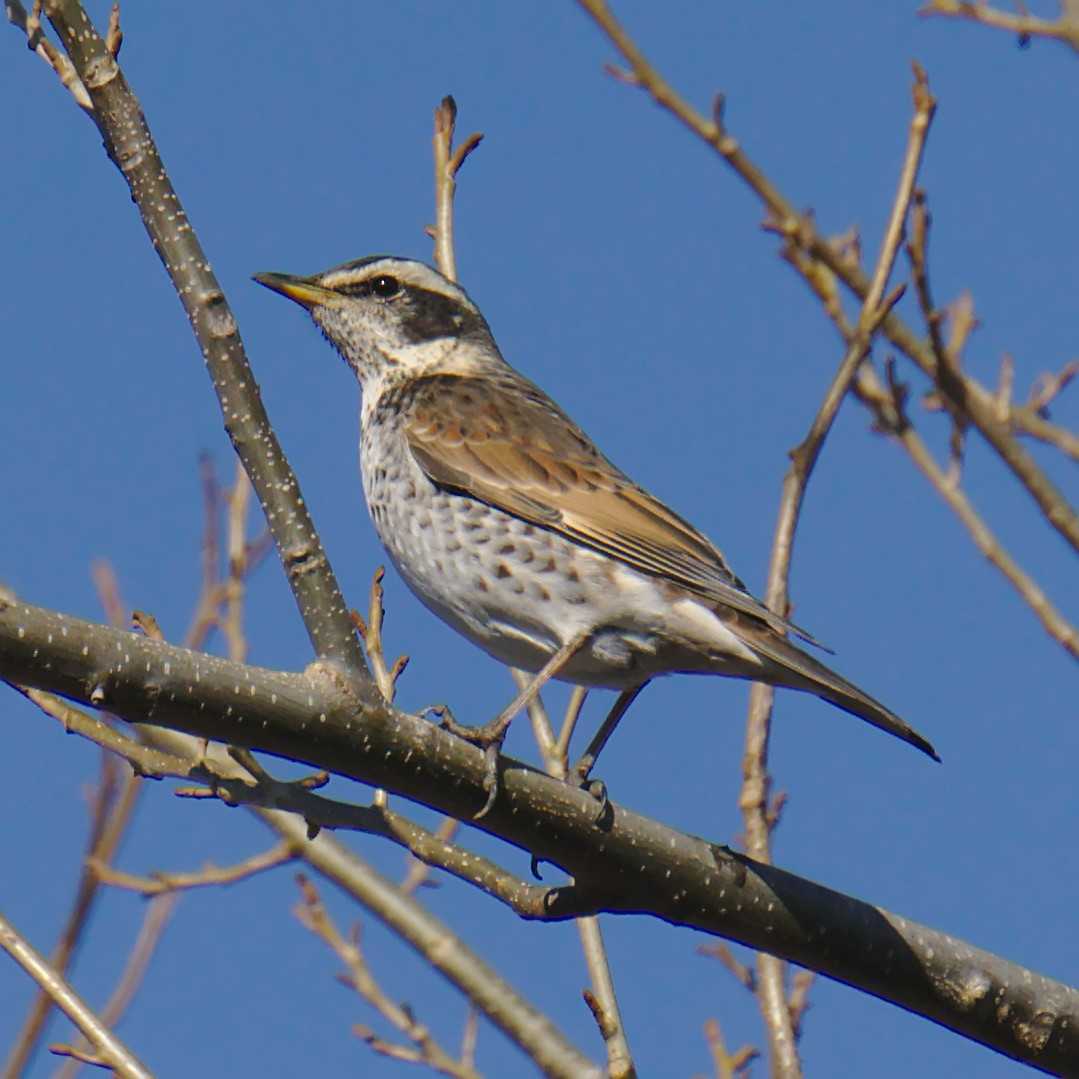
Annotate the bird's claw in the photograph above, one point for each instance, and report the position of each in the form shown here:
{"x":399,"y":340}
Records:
{"x":597,"y":789}
{"x":439,"y":712}
{"x":490,"y":776}
{"x":489,"y":738}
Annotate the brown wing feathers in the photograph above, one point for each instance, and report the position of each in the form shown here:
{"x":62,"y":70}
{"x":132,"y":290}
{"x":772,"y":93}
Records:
{"x":521,"y":454}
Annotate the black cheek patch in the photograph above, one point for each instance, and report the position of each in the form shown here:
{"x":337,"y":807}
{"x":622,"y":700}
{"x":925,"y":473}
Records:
{"x":426,"y":316}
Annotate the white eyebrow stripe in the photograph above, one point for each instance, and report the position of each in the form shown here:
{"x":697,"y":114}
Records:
{"x":408,"y":272}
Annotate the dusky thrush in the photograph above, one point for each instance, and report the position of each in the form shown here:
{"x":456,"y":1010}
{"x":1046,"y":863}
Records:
{"x":505,"y":519}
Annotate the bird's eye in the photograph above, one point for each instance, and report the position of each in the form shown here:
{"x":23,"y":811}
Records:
{"x":385,"y":286}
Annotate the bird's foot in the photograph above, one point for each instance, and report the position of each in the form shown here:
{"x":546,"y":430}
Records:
{"x":489,"y":738}
{"x":579,"y":775}
{"x":597,"y":790}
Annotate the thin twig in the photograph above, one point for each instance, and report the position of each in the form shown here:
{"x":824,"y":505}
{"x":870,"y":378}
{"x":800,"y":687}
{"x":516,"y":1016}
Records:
{"x":1050,"y":386}
{"x":601,"y":998}
{"x":447,"y":164}
{"x":237,"y":551}
{"x":370,"y":630}
{"x":542,"y":729}
{"x":727,"y":1065}
{"x":892,"y":418}
{"x":424,"y":1049}
{"x":107,"y":1047}
{"x":604,"y":1003}
{"x":754,"y":798}
{"x":251,"y":786}
{"x":157,"y":916}
{"x":112,"y":810}
{"x":800,"y":231}
{"x":801,"y":983}
{"x":1032,"y":418}
{"x":1027,"y":422}
{"x":170,"y":753}
{"x":742,"y":973}
{"x":1025,"y":26}
{"x":160,"y":882}
{"x":114,"y":36}
{"x":30,"y":25}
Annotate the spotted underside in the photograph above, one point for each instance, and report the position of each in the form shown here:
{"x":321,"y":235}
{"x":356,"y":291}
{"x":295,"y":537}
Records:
{"x":520,"y":453}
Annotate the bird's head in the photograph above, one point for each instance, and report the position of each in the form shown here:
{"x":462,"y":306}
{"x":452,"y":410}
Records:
{"x":392,"y":318}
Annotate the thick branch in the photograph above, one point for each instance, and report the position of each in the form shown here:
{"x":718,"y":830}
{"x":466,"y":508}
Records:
{"x":131,"y":148}
{"x":628,"y":865}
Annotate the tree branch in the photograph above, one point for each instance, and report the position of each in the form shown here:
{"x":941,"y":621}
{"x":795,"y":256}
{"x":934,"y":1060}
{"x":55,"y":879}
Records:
{"x":313,"y":915}
{"x":108,"y":1049}
{"x":756,"y":781}
{"x":798,"y":229}
{"x":131,"y":148}
{"x":1064,"y":29}
{"x":632,"y":866}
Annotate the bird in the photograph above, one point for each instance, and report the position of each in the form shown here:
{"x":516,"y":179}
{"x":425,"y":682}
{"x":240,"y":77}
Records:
{"x":507,"y":521}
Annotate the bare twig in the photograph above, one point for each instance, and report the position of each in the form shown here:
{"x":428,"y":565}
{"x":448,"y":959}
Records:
{"x":114,"y":36}
{"x":159,"y":882}
{"x":1024,"y":25}
{"x":371,"y":632}
{"x":1028,"y":422}
{"x":743,"y":974}
{"x":727,"y":1065}
{"x":887,"y":406}
{"x":801,"y":983}
{"x":107,"y":1047}
{"x":111,"y":811}
{"x":822,"y":264}
{"x":237,"y":550}
{"x":153,"y":926}
{"x":424,"y":1049}
{"x":171,"y":753}
{"x":447,"y":164}
{"x":754,"y":798}
{"x":112,"y":807}
{"x":30,"y":25}
{"x":251,"y":786}
{"x":601,"y":998}
{"x":1032,"y":418}
{"x":800,"y":232}
{"x":1050,"y":386}
{"x":604,"y":1000}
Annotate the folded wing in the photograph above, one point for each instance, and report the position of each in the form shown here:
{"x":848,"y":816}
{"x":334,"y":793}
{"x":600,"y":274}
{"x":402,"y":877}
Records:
{"x":519,"y":452}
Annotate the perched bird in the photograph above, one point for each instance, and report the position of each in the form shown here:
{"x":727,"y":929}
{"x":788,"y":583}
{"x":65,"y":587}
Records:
{"x":505,"y":519}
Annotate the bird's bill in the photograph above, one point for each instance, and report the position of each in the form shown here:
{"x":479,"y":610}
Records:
{"x":302,"y":290}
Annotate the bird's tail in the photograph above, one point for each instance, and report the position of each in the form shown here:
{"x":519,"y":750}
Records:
{"x":792,"y":667}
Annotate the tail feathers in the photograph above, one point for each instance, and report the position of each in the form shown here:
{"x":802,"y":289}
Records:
{"x":798,"y":670}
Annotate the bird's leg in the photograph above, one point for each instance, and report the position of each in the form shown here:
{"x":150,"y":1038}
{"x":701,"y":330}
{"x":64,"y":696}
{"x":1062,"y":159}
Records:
{"x":491,"y":735}
{"x":583,"y":767}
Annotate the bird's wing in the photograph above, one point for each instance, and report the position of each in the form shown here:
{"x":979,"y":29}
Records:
{"x":507,"y":444}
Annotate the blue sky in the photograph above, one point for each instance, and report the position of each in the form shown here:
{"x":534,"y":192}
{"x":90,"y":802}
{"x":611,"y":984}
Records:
{"x":623,"y":268}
